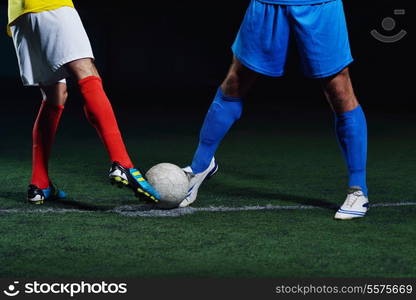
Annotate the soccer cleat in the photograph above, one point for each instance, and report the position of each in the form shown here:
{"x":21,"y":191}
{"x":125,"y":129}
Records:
{"x":36,"y":195}
{"x":355,"y":206}
{"x":195,"y":181}
{"x":134,"y":179}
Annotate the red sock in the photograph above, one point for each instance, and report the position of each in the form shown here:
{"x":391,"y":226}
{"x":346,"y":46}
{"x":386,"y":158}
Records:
{"x":100,"y":114}
{"x":43,"y":134}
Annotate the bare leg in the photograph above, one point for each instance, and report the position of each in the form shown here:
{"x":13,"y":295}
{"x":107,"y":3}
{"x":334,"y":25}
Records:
{"x":44,"y":131}
{"x":82,"y":68}
{"x":55,"y":94}
{"x":224,"y":111}
{"x":98,"y":109}
{"x":339,"y":92}
{"x":239,"y":80}
{"x":351,"y":126}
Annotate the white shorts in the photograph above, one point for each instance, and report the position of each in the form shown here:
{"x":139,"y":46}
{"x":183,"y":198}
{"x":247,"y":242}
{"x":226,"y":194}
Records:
{"x":46,"y":41}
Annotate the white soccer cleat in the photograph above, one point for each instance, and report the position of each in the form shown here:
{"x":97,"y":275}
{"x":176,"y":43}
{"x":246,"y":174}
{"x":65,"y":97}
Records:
{"x":355,"y":206}
{"x":195,"y":181}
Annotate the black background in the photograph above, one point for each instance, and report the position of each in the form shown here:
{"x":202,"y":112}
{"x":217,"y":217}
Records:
{"x":171,"y":55}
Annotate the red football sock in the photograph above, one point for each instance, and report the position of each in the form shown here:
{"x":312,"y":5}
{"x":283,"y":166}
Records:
{"x":43,"y":134}
{"x":100,"y":114}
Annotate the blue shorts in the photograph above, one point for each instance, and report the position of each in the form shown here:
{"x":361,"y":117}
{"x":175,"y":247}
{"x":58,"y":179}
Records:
{"x":320,"y":32}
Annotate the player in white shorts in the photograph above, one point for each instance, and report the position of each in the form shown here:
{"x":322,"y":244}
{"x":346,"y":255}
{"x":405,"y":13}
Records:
{"x":52,"y":45}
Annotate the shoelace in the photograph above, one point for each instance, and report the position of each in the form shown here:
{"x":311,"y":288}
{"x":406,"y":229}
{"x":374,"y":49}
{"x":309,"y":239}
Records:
{"x":352,"y":197}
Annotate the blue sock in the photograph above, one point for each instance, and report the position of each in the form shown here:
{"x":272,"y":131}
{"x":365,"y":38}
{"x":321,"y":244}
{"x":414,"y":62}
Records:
{"x":222,"y":114}
{"x":351,"y":129}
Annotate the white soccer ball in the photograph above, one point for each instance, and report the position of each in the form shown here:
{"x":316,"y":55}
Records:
{"x":170,"y":182}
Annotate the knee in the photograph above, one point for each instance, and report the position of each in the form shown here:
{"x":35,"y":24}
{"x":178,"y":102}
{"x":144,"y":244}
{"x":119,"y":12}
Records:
{"x":82,"y":68}
{"x":340,"y":94}
{"x":232,"y":85}
{"x":339,"y":88}
{"x":56,"y":94}
{"x":63,"y":95}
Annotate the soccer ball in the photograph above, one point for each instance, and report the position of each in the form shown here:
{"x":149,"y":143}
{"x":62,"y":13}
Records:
{"x":170,"y":182}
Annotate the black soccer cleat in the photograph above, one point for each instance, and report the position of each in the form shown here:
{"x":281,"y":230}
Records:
{"x":133,"y":179}
{"x":36,"y":195}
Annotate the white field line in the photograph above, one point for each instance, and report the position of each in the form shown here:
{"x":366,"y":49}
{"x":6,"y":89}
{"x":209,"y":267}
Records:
{"x":148,"y":211}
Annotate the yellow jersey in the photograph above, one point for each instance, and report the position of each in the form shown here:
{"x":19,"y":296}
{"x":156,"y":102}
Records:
{"x":21,"y":7}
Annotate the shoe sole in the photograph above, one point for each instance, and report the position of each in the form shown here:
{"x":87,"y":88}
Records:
{"x":120,"y":182}
{"x":348,"y":217}
{"x":36,"y":202}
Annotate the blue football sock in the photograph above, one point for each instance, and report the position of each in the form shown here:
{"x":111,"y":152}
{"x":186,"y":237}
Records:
{"x":351,"y":129}
{"x":222,"y":114}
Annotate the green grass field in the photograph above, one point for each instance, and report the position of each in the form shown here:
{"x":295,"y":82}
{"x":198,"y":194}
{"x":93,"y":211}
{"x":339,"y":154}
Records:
{"x":289,"y":161}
